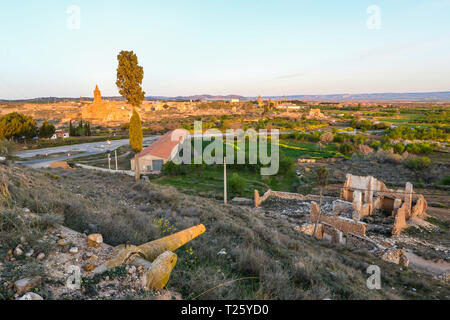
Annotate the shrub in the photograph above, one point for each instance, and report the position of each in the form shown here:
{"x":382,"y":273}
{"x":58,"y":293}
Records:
{"x":237,"y":184}
{"x":386,"y":146}
{"x":417,"y":164}
{"x":173,"y":169}
{"x":359,"y":139}
{"x":399,"y":148}
{"x":375,"y":144}
{"x":446,"y":181}
{"x":346,"y":149}
{"x":286,"y":165}
{"x":6,"y":147}
{"x":419,"y":148}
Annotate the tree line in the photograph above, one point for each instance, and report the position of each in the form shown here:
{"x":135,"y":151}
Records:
{"x":18,"y":126}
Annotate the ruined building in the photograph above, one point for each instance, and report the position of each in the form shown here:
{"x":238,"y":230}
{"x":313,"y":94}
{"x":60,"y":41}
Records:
{"x":339,"y":221}
{"x":315,"y":114}
{"x":369,"y":195}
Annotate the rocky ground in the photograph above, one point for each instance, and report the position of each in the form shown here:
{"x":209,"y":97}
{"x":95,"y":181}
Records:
{"x":70,"y":270}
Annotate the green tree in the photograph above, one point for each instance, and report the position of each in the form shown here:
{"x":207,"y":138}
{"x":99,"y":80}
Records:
{"x":129,"y":78}
{"x":46,"y":130}
{"x":16,"y":125}
{"x":71,"y":129}
{"x":237,"y":184}
{"x":87,"y":129}
{"x":136,"y":138}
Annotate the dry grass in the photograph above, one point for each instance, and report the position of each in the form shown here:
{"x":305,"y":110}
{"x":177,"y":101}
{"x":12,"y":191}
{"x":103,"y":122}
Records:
{"x":285,"y":263}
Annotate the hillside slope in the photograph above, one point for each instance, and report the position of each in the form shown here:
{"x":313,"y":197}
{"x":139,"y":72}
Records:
{"x":265,"y":257}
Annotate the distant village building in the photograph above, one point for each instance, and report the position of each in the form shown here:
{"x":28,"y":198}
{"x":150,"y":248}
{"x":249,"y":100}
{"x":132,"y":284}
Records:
{"x":60,"y":134}
{"x":163,"y":150}
{"x":97,"y":95}
{"x":234,"y":100}
{"x":315,"y":114}
{"x":288,"y":105}
{"x":100,"y":112}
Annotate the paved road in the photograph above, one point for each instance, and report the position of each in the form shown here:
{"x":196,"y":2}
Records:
{"x":83,"y":150}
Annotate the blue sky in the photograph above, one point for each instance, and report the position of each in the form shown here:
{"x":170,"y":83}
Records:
{"x":246,"y":47}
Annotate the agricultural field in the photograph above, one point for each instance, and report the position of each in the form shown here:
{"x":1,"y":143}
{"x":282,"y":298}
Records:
{"x":208,"y":180}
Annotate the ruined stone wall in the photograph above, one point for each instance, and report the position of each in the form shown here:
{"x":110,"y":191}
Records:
{"x":332,"y":234}
{"x":400,"y":219}
{"x":343,"y":224}
{"x":258,"y":200}
{"x":308,"y":228}
{"x":286,"y":195}
{"x":355,"y":241}
{"x":419,"y":208}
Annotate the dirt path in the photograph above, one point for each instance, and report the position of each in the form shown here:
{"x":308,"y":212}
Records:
{"x":426,"y":266}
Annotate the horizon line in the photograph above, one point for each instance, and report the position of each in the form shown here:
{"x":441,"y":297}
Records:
{"x":231,"y":94}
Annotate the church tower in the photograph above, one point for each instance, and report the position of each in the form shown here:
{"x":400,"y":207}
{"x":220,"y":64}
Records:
{"x":97,"y":95}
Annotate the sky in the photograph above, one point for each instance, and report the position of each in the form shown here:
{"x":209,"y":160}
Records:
{"x":247,"y":47}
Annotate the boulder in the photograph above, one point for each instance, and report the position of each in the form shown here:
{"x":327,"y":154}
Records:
{"x":27,"y":284}
{"x":18,"y":252}
{"x":94,"y":240}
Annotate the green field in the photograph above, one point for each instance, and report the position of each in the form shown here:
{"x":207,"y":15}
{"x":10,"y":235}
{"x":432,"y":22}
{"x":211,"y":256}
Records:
{"x":209,"y":180}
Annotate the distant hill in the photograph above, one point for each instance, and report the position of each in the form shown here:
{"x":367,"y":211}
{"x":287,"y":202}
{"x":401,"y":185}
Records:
{"x":412,"y":96}
{"x":202,"y":97}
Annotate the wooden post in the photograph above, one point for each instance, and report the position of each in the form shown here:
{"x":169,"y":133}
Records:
{"x":117,"y":167}
{"x":109,"y":161}
{"x":225,"y":180}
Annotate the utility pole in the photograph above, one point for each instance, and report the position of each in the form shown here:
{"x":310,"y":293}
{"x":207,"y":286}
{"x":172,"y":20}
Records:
{"x":117,"y":167}
{"x":225,"y":180}
{"x":109,"y":160}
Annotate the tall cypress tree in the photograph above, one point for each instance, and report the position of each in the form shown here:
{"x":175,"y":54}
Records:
{"x":136,"y":138}
{"x":71,"y":131}
{"x":129,"y":81}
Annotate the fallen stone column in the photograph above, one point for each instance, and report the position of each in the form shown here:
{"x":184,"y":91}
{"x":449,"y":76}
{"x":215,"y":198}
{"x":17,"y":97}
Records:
{"x":151,"y":250}
{"x":158,"y":273}
{"x":155,"y":257}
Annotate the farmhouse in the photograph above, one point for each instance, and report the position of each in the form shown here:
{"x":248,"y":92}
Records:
{"x":60,"y":134}
{"x":152,"y":158}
